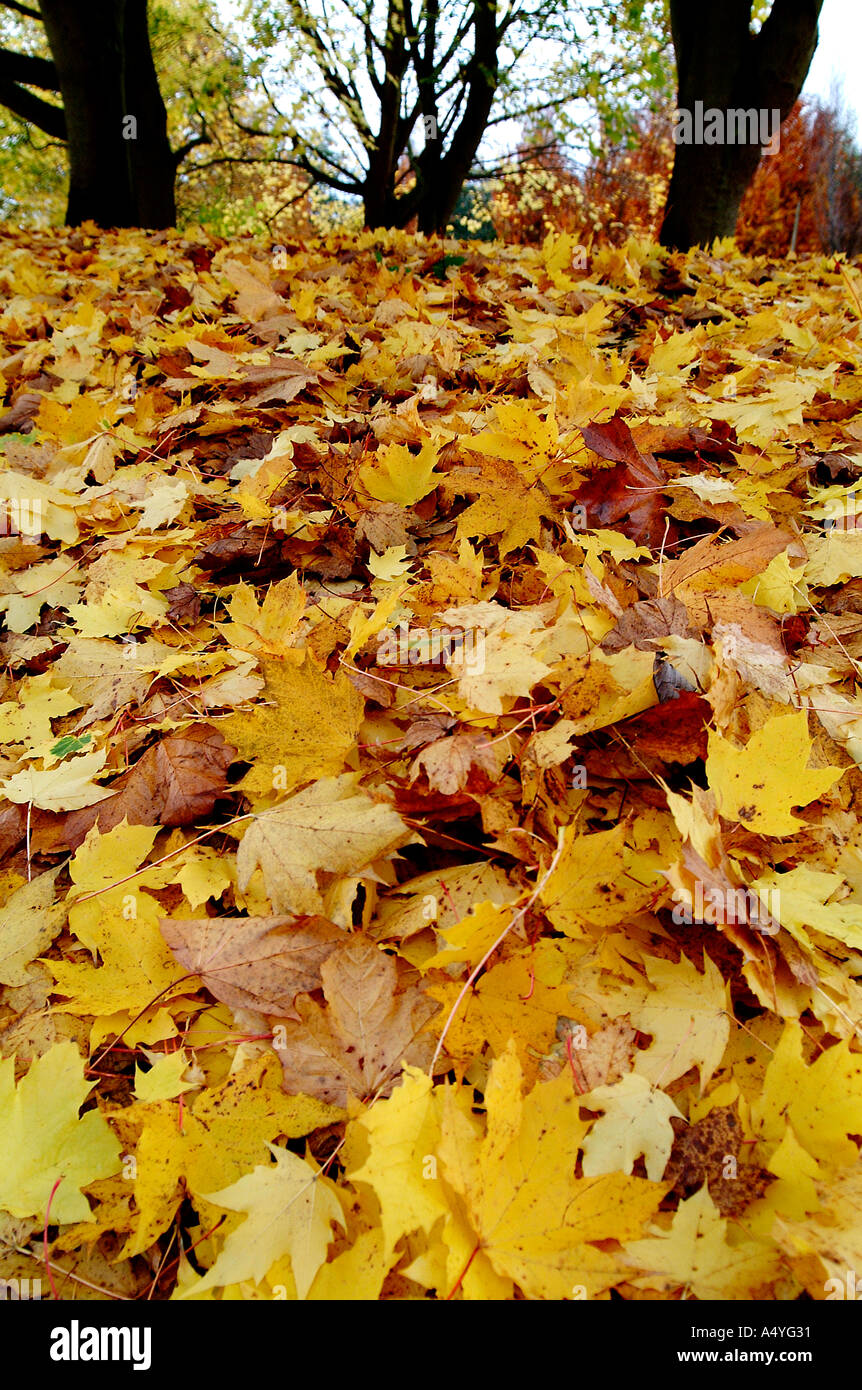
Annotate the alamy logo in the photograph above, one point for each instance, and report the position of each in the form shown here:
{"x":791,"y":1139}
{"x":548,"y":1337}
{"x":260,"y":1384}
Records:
{"x":21,"y":516}
{"x":77,"y":1343}
{"x":735,"y":126}
{"x":843,"y":513}
{"x":23,"y":1290}
{"x":732,"y":905}
{"x":848,"y":1287}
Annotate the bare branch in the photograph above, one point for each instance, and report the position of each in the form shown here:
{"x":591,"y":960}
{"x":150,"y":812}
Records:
{"x":32,"y":72}
{"x":21,"y":9}
{"x":32,"y":108}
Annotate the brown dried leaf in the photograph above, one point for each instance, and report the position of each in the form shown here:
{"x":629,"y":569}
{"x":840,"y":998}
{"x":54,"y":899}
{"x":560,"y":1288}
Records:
{"x":176,"y":782}
{"x":356,"y":1043}
{"x":259,"y":963}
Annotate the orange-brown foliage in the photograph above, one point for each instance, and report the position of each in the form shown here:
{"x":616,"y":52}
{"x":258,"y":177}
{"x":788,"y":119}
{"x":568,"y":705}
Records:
{"x":816,"y":170}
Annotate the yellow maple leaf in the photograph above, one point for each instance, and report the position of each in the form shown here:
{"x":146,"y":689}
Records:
{"x":688,"y":1015}
{"x":533,"y":1219}
{"x":398,"y":476}
{"x":469,"y":939}
{"x":500,"y":661}
{"x":356,"y":1274}
{"x":164,"y":1080}
{"x":758,"y":784}
{"x":305,"y":728}
{"x":29,"y":921}
{"x":822,"y":1102}
{"x":43,"y":1139}
{"x":329,"y":826}
{"x":825,"y":1248}
{"x":290,"y":1209}
{"x":694,"y":1255}
{"x":272,"y":626}
{"x":589,"y":889}
{"x":401,"y":1134}
{"x":225,"y":1132}
{"x":636,"y":1122}
{"x":66,"y":787}
{"x":136,"y":967}
{"x":524,"y":438}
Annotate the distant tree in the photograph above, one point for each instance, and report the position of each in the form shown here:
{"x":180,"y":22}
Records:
{"x":812,"y":186}
{"x":836,"y":167}
{"x":122,"y":94}
{"x":619,"y":192}
{"x":389,"y":100}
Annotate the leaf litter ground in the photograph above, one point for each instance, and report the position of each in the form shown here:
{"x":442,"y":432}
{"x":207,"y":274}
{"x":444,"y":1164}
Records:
{"x":431,"y":756}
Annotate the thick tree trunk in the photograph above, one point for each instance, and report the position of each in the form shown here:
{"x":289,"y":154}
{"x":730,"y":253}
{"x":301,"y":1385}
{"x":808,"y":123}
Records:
{"x":705,"y":192}
{"x":153,"y":166}
{"x":722,"y":65}
{"x":121,"y":169}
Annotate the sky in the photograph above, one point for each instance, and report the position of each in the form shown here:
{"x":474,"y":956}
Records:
{"x":838,"y":55}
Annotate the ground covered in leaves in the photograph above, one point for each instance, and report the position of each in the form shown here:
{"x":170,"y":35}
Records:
{"x":430,"y":860}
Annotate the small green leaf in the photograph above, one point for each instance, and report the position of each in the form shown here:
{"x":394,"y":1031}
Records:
{"x":69,"y":744}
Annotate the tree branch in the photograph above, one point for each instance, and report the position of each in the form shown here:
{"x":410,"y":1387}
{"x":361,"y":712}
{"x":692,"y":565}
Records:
{"x":783,"y":51}
{"x":21,"y":9}
{"x":32,"y":108}
{"x":32,"y":72}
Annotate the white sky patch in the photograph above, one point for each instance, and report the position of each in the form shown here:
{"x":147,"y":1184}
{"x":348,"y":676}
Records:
{"x":836,"y":61}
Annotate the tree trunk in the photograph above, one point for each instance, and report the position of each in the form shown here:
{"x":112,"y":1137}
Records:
{"x":153,"y":166}
{"x":705,"y":192}
{"x":121,"y":170}
{"x":722,"y":65}
{"x":439,"y":176}
{"x":440,"y":184}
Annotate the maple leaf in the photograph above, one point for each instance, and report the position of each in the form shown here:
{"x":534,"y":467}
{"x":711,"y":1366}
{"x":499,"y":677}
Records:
{"x":508,"y":664}
{"x":43,"y":1139}
{"x":450,"y":763}
{"x":305,"y":729}
{"x":758,"y":784}
{"x":701,"y":1153}
{"x":164,"y":1080}
{"x":357,"y":1274}
{"x":507,"y":506}
{"x":29,"y":920}
{"x":518,"y":1000}
{"x":400,"y":1134}
{"x":330,"y":827}
{"x":826,"y":1245}
{"x":630,"y":495}
{"x":257,"y":963}
{"x":687,"y":1014}
{"x":65,"y":787}
{"x":694,"y":1255}
{"x":290,"y":1209}
{"x":272,"y":627}
{"x":588,"y":889}
{"x":822,"y":1102}
{"x":136,"y":967}
{"x":636,"y":1122}
{"x":533,"y":1219}
{"x":399,"y":476}
{"x":226,"y":1131}
{"x":802,"y":897}
{"x":367,"y":1029}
